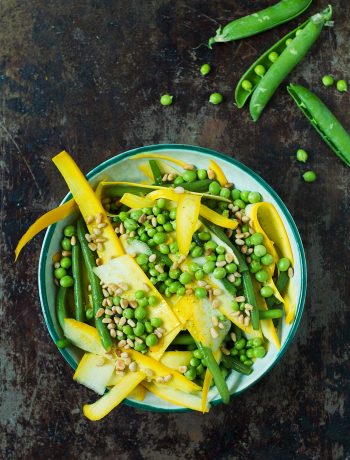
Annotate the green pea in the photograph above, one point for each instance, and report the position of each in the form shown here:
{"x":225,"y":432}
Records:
{"x":205,"y":69}
{"x":309,"y":176}
{"x":66,"y":244}
{"x":144,"y":238}
{"x":233,"y":352}
{"x":189,"y":176}
{"x":66,"y":281}
{"x":248,"y":362}
{"x":153,"y":300}
{"x":148,"y":327}
{"x":216,"y":98}
{"x":235,"y":194}
{"x":209,"y":267}
{"x":116,"y":300}
{"x":161,"y":203}
{"x":225,"y":192}
{"x":204,"y":236}
{"x":140,"y":313}
{"x":197,"y":354}
{"x":327,"y":80}
{"x":200,"y":369}
{"x":201,"y":174}
{"x":161,"y":219}
{"x":173,"y":248}
{"x":200,"y":292}
{"x":179,"y":180}
{"x":260,"y":70}
{"x":342,"y":86}
{"x":127,"y":329}
{"x":235,"y":305}
{"x":191,"y":373}
{"x":250,"y":352}
{"x":69,"y":231}
{"x":181,"y":291}
{"x":266,"y":291}
{"x":260,"y":250}
{"x":139,"y":329}
{"x":247,"y":85}
{"x":144,"y":301}
{"x":289,"y":41}
{"x":195,"y":362}
{"x":136,"y":214}
{"x":259,"y":352}
{"x":142,"y":259}
{"x":153,"y":272}
{"x":60,"y":273}
{"x":140,"y":294}
{"x":123,"y":216}
{"x":210,"y":245}
{"x":220,"y":258}
{"x":244,"y":195}
{"x":160,"y":238}
{"x":199,"y":275}
{"x":237,"y":282}
{"x":153,"y":280}
{"x":240,"y":344}
{"x":140,"y":346}
{"x":219,"y":273}
{"x":174,"y":273}
{"x":214,"y":188}
{"x":231,"y":268}
{"x":164,"y":249}
{"x":185,"y":278}
{"x":174,"y":287}
{"x":267,"y":259}
{"x":273,"y":56}
{"x":128,"y":313}
{"x":302,"y":155}
{"x":283,"y":264}
{"x":130,"y":224}
{"x":166,"y":99}
{"x":262,"y":276}
{"x":197,"y":252}
{"x":242,"y":352}
{"x":254,"y":197}
{"x":156,"y":322}
{"x":256,"y":238}
{"x":220,"y":250}
{"x":89,"y":313}
{"x":239,"y":203}
{"x":193,"y":267}
{"x":151,"y":340}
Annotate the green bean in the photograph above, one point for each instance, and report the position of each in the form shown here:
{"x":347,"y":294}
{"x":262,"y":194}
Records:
{"x":230,"y":362}
{"x":271,"y":314}
{"x":79,"y":307}
{"x":243,"y":90}
{"x":96,"y":289}
{"x":281,"y":283}
{"x":289,"y":58}
{"x":323,"y":120}
{"x":258,"y":22}
{"x":197,"y":185}
{"x":251,"y":299}
{"x":157,"y":175}
{"x":183,"y":339}
{"x":214,"y":369}
{"x":61,"y":305}
{"x":228,"y":286}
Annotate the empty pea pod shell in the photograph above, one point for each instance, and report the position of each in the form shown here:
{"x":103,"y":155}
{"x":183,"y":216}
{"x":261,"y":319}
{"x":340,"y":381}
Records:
{"x":323,"y":120}
{"x":258,"y":22}
{"x":286,"y":62}
{"x":242,"y":95}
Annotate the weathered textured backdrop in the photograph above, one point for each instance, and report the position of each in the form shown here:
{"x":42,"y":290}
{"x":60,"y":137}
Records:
{"x":86,"y":76}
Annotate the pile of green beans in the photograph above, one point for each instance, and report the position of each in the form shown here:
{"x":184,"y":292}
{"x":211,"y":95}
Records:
{"x":323,"y":120}
{"x":258,"y":22}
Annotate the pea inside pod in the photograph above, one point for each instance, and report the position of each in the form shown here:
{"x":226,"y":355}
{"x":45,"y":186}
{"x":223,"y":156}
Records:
{"x":258,"y":22}
{"x":289,"y":58}
{"x":244,"y":91}
{"x":323,"y":120}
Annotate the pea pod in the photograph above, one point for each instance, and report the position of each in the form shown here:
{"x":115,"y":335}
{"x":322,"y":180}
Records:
{"x":323,"y":120}
{"x":78,"y":285}
{"x":157,"y":175}
{"x":96,"y":290}
{"x":230,"y":362}
{"x":241,"y":94}
{"x":258,"y":22}
{"x":289,"y":58}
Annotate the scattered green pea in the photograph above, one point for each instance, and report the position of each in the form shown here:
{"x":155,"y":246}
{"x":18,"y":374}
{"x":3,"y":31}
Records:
{"x":267,"y":259}
{"x":185,"y":278}
{"x":266,"y":291}
{"x":166,"y":99}
{"x":219,"y":273}
{"x":262,"y":276}
{"x":201,"y":174}
{"x":66,"y":244}
{"x":214,"y":188}
{"x":200,"y":292}
{"x":140,"y":313}
{"x":327,"y":80}
{"x":128,"y":313}
{"x":216,"y":98}
{"x":151,"y":340}
{"x":309,"y":176}
{"x":302,"y":155}
{"x":205,"y":69}
{"x":289,"y":41}
{"x":60,"y":273}
{"x":199,"y":275}
{"x":254,"y":197}
{"x":190,"y":374}
{"x":89,"y":313}
{"x":260,"y":250}
{"x":69,"y":231}
{"x":256,"y":238}
{"x":342,"y":86}
{"x":259,"y":352}
{"x":189,"y":176}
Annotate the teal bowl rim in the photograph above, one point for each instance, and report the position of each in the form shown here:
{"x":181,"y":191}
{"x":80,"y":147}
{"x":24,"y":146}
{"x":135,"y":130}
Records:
{"x":116,"y":159}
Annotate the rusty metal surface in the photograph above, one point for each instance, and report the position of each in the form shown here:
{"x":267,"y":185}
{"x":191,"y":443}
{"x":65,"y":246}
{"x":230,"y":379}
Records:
{"x":86,"y":76}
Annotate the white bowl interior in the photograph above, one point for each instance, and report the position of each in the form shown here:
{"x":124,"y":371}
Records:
{"x":118,"y":168}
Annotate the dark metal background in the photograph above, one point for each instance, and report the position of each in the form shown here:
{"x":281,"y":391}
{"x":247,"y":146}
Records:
{"x":86,"y":76}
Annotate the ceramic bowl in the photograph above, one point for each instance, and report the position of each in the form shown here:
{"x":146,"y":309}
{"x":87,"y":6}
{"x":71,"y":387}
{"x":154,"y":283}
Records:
{"x":120,"y":168}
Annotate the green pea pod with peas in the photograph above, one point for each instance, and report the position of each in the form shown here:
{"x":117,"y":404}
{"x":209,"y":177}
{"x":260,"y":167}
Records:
{"x":323,"y":120}
{"x":258,"y":22}
{"x":293,"y":53}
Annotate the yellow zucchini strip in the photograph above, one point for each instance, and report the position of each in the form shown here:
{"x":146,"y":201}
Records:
{"x":219,"y":173}
{"x":136,"y":201}
{"x":216,"y":218}
{"x":177,"y":381}
{"x":89,"y":205}
{"x":49,"y":218}
{"x":83,"y":336}
{"x":187,"y":214}
{"x":146,"y":170}
{"x":165,"y":168}
{"x":175,"y":359}
{"x":160,"y":157}
{"x":157,"y":351}
{"x":138,"y":393}
{"x":93,"y":374}
{"x":177,"y":397}
{"x":207,"y":381}
{"x":115,"y":396}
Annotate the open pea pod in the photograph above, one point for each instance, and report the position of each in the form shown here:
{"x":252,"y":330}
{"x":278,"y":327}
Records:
{"x":251,"y":78}
{"x":323,"y":120}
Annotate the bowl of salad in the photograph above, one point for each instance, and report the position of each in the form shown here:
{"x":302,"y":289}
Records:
{"x":171,"y":278}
